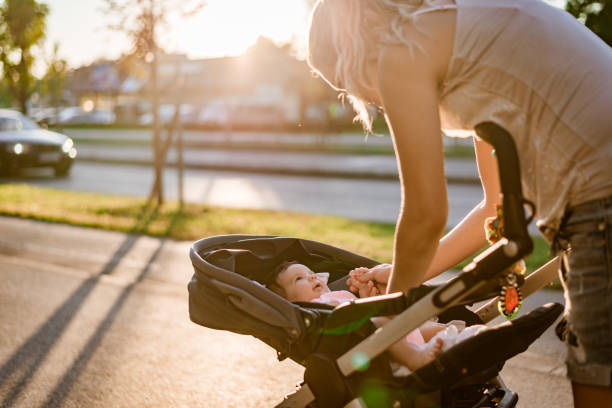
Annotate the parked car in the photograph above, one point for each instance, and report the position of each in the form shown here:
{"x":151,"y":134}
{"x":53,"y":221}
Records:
{"x":24,"y":144}
{"x":166,"y":114}
{"x":242,"y":116}
{"x":77,"y":115}
{"x":214,"y":115}
{"x":257,"y":117}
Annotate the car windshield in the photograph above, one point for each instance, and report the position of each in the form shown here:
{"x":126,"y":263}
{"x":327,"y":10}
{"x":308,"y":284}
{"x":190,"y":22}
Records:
{"x":28,"y":123}
{"x":9,"y":123}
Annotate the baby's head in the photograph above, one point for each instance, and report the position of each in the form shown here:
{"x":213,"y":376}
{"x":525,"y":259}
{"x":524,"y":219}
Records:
{"x":297,"y":283}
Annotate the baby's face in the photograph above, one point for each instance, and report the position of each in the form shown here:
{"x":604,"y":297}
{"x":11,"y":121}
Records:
{"x":301,"y":284}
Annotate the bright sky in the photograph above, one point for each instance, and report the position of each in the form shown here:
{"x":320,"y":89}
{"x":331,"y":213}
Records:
{"x":224,"y":27}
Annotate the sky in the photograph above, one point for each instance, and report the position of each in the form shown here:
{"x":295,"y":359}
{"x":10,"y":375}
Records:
{"x":224,"y":27}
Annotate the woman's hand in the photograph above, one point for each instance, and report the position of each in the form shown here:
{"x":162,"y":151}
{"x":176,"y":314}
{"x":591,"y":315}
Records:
{"x":369,"y":281}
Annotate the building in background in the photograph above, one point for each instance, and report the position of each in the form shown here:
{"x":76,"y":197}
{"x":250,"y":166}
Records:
{"x":266,"y":87}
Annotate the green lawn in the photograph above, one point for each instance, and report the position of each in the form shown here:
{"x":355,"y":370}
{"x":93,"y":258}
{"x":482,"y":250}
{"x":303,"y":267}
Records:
{"x":195,"y":221}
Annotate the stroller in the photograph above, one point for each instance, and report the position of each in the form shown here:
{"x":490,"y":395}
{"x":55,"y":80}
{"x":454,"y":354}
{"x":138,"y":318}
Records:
{"x":342,"y":352}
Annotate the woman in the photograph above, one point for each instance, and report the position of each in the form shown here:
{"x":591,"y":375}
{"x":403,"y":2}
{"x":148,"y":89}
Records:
{"x":529,"y":67}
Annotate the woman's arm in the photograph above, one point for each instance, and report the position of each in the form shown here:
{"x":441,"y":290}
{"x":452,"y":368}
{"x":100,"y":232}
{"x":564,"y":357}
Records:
{"x":408,"y":88}
{"x":469,"y":235}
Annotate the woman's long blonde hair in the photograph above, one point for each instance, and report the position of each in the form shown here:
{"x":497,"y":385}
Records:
{"x":345,"y":35}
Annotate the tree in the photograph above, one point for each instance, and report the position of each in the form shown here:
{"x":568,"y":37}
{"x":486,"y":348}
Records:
{"x":54,"y":79}
{"x":142,"y":21}
{"x":4,"y":94}
{"x":596,"y":15}
{"x":22,"y":26}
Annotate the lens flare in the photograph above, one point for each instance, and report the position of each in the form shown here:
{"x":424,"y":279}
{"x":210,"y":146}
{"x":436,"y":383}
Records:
{"x":360,"y":361}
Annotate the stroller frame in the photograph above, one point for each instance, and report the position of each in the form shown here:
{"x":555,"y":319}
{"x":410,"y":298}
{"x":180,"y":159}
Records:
{"x":464,"y":288}
{"x":227,"y":292}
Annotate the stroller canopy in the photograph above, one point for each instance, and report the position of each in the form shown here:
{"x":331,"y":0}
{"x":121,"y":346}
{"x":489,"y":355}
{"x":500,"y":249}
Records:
{"x":228,"y":290}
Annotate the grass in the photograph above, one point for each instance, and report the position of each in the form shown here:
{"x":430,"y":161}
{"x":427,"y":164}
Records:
{"x":194,"y":221}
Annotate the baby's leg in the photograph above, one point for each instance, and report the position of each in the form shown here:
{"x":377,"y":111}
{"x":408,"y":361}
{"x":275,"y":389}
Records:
{"x":430,"y":329}
{"x":414,"y":356}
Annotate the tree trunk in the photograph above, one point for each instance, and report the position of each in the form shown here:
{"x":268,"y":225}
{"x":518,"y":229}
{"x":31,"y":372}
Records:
{"x":23,"y":83}
{"x":157,"y":192}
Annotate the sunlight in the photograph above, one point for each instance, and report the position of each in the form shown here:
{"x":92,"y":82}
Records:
{"x":239,"y":193}
{"x":229,"y":27}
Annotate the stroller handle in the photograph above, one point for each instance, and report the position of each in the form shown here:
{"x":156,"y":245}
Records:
{"x":515,"y":224}
{"x":484,"y":269}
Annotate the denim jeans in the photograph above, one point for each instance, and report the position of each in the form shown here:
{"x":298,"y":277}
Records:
{"x":586,"y":238}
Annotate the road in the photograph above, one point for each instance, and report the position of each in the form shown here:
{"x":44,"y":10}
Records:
{"x":374,"y":200}
{"x":92,"y":318}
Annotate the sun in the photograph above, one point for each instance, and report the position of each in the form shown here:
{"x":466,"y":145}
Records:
{"x":229,"y":27}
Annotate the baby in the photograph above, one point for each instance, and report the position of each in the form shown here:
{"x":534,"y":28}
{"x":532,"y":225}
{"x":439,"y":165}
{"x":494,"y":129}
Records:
{"x":297,"y":283}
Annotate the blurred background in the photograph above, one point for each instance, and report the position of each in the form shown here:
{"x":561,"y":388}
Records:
{"x":222,"y":64}
{"x":113,"y":74}
{"x":208,"y":84}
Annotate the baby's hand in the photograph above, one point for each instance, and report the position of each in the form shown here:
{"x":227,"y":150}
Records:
{"x":353,"y":282}
{"x":359,"y":273}
{"x":369,"y":289}
{"x":378,"y":275}
{"x":358,"y":284}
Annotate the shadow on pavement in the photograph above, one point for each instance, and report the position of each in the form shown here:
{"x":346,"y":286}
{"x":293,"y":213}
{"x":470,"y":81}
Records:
{"x":72,"y":374}
{"x":24,"y":363}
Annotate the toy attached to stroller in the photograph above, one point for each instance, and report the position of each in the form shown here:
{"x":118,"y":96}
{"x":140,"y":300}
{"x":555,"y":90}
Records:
{"x":343,"y":354}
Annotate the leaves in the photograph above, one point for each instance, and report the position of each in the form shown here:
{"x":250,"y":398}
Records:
{"x":22,"y":26}
{"x":141,"y":20}
{"x":53,"y":81}
{"x":596,"y":15}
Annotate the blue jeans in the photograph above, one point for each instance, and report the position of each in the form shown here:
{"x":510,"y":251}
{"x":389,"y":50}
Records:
{"x":586,"y":237}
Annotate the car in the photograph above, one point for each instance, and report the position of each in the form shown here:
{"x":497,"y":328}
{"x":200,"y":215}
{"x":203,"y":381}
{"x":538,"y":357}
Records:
{"x":216,"y":114}
{"x":24,"y":144}
{"x":79,"y":116}
{"x":166,"y":114}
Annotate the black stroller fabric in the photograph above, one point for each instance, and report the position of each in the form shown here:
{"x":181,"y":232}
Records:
{"x":227,"y":290}
{"x":490,"y":348}
{"x":257,"y":259}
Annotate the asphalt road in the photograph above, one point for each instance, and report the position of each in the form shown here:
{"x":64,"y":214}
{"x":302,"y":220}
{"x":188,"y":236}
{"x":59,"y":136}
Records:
{"x":112,"y":330}
{"x":362,"y":199}
{"x":92,"y":318}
